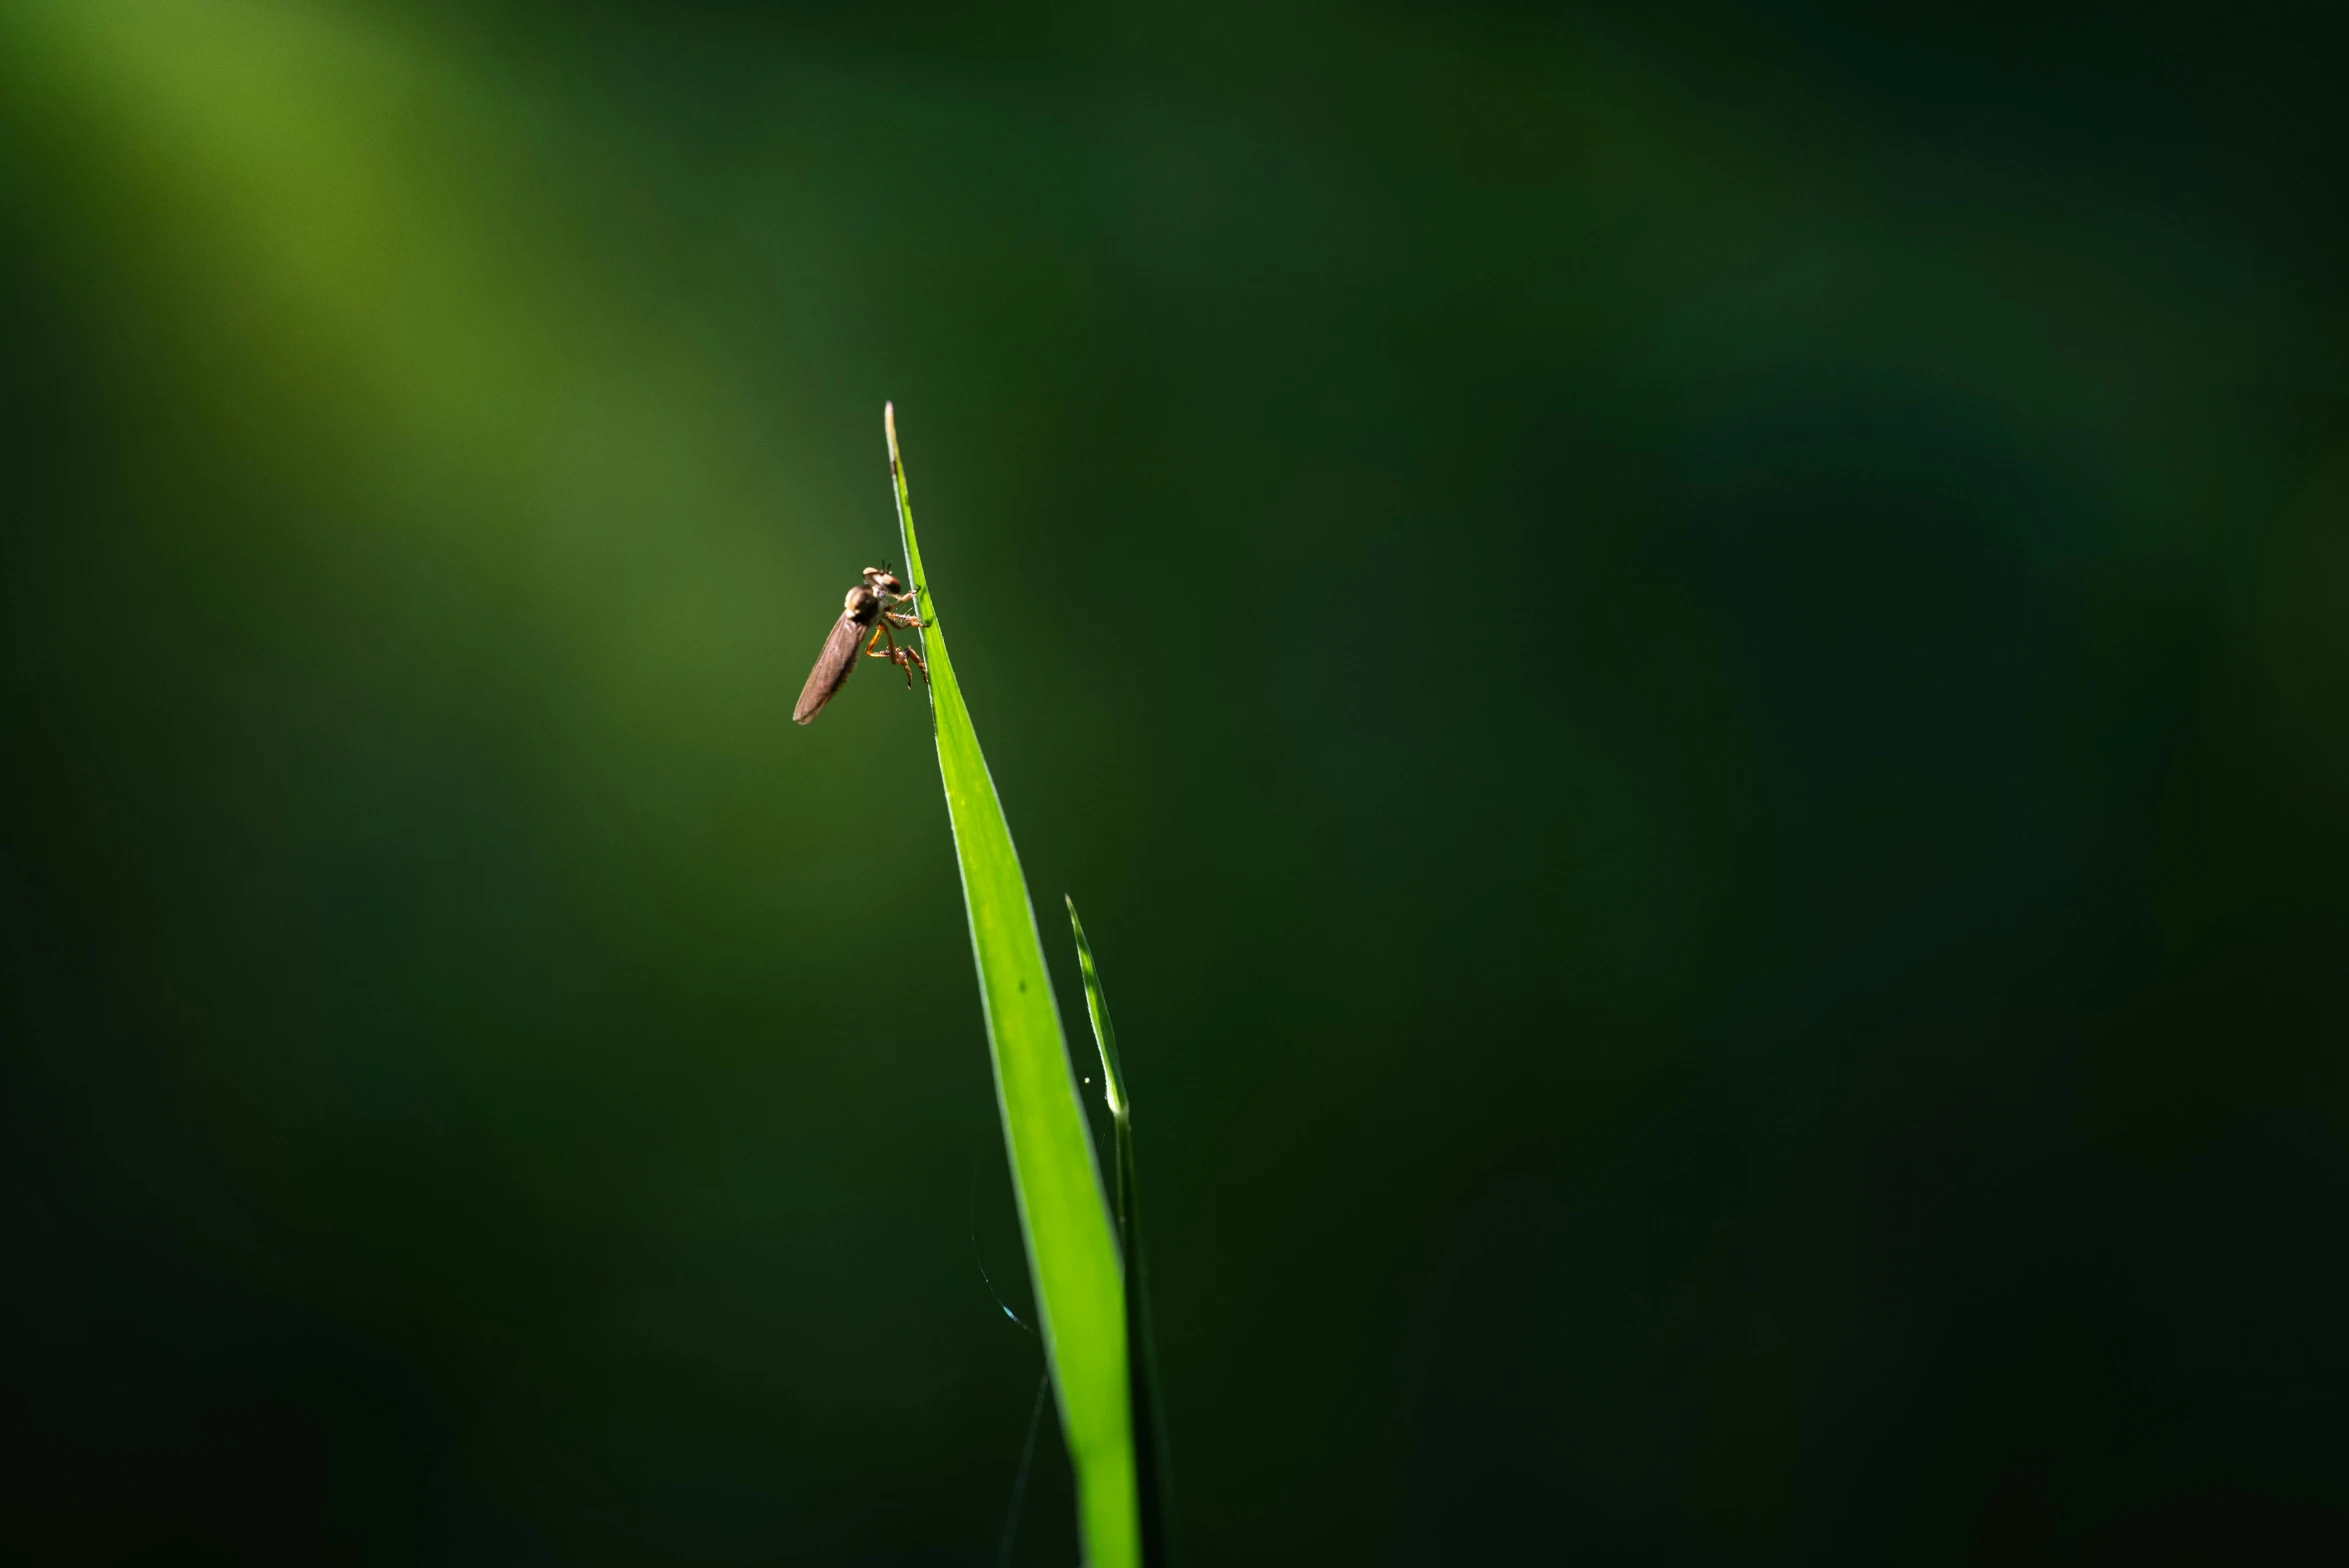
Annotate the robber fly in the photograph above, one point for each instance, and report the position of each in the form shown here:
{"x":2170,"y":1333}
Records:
{"x":870,"y":607}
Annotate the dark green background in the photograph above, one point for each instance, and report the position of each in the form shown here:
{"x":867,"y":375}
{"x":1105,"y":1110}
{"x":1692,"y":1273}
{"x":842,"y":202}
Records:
{"x":1692,"y":667}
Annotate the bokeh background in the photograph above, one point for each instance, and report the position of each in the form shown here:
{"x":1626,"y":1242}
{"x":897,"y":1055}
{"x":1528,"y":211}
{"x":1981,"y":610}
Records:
{"x":1691,"y":664}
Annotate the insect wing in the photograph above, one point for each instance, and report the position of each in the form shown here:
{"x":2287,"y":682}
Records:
{"x":833,"y":668}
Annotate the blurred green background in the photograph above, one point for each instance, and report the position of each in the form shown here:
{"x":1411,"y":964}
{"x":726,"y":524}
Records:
{"x":1690,"y":663}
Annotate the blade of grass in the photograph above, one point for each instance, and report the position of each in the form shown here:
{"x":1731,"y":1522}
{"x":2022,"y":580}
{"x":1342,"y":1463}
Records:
{"x":1152,"y":1465}
{"x":1080,"y":1281}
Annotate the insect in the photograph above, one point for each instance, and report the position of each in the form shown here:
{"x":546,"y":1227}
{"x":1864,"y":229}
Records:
{"x":870,"y":607}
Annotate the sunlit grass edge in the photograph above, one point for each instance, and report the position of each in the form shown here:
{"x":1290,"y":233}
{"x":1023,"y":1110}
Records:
{"x":1064,"y":1213}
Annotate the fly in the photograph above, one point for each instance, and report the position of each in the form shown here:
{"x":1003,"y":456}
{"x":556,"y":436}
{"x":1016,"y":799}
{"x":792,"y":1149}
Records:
{"x":871,"y":607}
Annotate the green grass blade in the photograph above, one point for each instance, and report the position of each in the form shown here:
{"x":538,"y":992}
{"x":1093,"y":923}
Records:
{"x":1150,"y":1451}
{"x":1113,"y":1078}
{"x":1072,"y":1256}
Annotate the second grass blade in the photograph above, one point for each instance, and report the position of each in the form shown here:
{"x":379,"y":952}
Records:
{"x":1151,"y":1462}
{"x":1072,"y":1256}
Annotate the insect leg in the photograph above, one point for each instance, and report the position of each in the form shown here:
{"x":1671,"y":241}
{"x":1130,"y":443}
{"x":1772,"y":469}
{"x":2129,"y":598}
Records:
{"x":871,"y":652}
{"x":908,"y":621}
{"x":909,"y":661}
{"x":897,"y":656}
